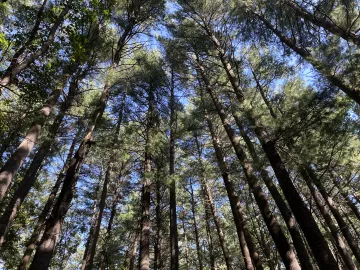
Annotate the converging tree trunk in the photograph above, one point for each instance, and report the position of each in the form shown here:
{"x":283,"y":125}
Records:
{"x":281,"y":242}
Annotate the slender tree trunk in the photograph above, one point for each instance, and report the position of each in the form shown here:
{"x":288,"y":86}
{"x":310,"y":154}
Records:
{"x":304,"y":217}
{"x":32,"y":172}
{"x":248,"y":249}
{"x":92,"y":223}
{"x":306,"y":221}
{"x":133,"y":254}
{"x":146,"y":189}
{"x":157,"y":245}
{"x":286,"y":213}
{"x":47,"y":244}
{"x":12,"y":165}
{"x":94,"y":237}
{"x":323,"y":22}
{"x":34,"y":238}
{"x":344,"y":228}
{"x":115,"y":200}
{"x":349,"y":90}
{"x":193,"y":211}
{"x":173,"y":218}
{"x":186,"y":246}
{"x":347,"y":198}
{"x":345,"y":255}
{"x":209,"y":202}
{"x":88,"y":260}
{"x":276,"y":232}
{"x":15,"y":66}
{"x":210,"y":239}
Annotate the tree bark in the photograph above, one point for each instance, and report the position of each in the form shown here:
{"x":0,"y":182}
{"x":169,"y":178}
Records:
{"x":247,"y":245}
{"x":174,"y":263}
{"x":281,"y":242}
{"x":344,"y":228}
{"x":157,"y":246}
{"x":34,"y":238}
{"x":146,"y":186}
{"x":340,"y":245}
{"x":89,"y":258}
{"x":209,"y":203}
{"x":304,"y":258}
{"x":12,"y":165}
{"x":133,"y":254}
{"x":31,"y":174}
{"x":193,"y":211}
{"x":210,"y":239}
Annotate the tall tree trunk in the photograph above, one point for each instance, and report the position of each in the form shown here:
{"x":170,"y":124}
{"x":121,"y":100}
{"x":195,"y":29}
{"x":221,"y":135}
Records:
{"x":286,"y":213}
{"x":344,"y":228}
{"x":196,"y":231}
{"x":304,"y":217}
{"x":94,"y":234}
{"x":210,"y":239}
{"x":173,"y":217}
{"x":324,"y":22}
{"x":340,"y":245}
{"x":34,"y":238}
{"x":89,"y":258}
{"x":306,"y":221}
{"x":146,"y":188}
{"x":92,"y":222}
{"x":286,"y":252}
{"x":247,"y":245}
{"x":15,"y":66}
{"x":348,"y":89}
{"x":344,"y":193}
{"x":133,"y":254}
{"x":12,"y":165}
{"x":209,"y":203}
{"x":157,"y":245}
{"x":32,"y":172}
{"x":186,"y":247}
{"x":115,"y":200}
{"x":47,"y":244}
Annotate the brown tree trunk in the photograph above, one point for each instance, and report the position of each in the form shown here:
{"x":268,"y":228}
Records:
{"x":210,"y":239}
{"x":92,"y":223}
{"x":115,"y":200}
{"x":347,"y":198}
{"x":286,"y":213}
{"x":31,"y":174}
{"x":345,"y":255}
{"x":47,"y":244}
{"x":306,"y":221}
{"x":276,"y":232}
{"x":34,"y":238}
{"x":157,"y":245}
{"x":94,"y":236}
{"x":344,"y":228}
{"x":209,"y":203}
{"x":193,"y":211}
{"x":248,"y":249}
{"x":174,"y":263}
{"x":186,"y":246}
{"x":146,"y":188}
{"x":12,"y":165}
{"x":16,"y":66}
{"x":133,"y":254}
